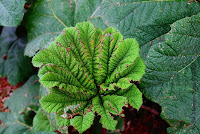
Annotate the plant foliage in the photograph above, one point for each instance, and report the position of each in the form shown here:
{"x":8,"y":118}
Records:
{"x":13,"y":64}
{"x":90,"y":70}
{"x":11,"y":12}
{"x":177,"y":84}
{"x":22,"y":104}
{"x":87,"y":71}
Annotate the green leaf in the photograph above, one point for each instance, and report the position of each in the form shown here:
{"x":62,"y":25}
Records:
{"x":21,"y":103}
{"x":106,"y":119}
{"x":62,"y":121}
{"x":152,"y":22}
{"x":57,"y":100}
{"x":146,"y":26}
{"x":11,"y":12}
{"x":13,"y":63}
{"x":11,"y":124}
{"x":81,"y":64}
{"x":82,"y":123}
{"x":24,"y":96}
{"x":172,"y":73}
{"x":114,"y":103}
{"x":41,"y":122}
{"x":133,"y":95}
{"x":46,"y":19}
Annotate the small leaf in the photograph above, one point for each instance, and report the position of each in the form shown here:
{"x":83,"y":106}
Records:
{"x":114,"y":103}
{"x":62,"y":121}
{"x":41,"y":122}
{"x":106,"y":119}
{"x":57,"y":100}
{"x":82,"y":123}
{"x":133,"y":95}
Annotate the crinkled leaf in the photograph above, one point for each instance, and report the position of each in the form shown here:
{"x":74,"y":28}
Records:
{"x":41,"y":122}
{"x":152,"y":22}
{"x":133,"y":95}
{"x":46,"y":19}
{"x":62,"y":121}
{"x":114,"y":103}
{"x":11,"y":12}
{"x":106,"y":119}
{"x":57,"y":100}
{"x":146,"y":26}
{"x":172,"y":73}
{"x":81,"y":64}
{"x":13,"y":63}
{"x":82,"y":123}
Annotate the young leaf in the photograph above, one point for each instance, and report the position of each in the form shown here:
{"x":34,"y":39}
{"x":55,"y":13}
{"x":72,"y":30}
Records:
{"x":82,"y":123}
{"x":79,"y":67}
{"x":106,"y":119}
{"x":133,"y":95}
{"x":114,"y":103}
{"x":57,"y":100}
{"x":41,"y":122}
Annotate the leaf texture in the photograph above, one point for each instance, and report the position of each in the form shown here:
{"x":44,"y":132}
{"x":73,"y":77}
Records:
{"x":85,"y":67}
{"x":82,"y":123}
{"x":11,"y":12}
{"x":57,"y":100}
{"x":46,"y":19}
{"x":13,"y":63}
{"x":172,"y":73}
{"x":106,"y":119}
{"x":41,"y":122}
{"x":22,"y":102}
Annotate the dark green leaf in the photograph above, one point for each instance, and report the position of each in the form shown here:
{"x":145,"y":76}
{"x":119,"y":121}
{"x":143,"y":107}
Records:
{"x":11,"y":12}
{"x":21,"y":103}
{"x":172,"y":73}
{"x":13,"y":63}
{"x":46,"y":19}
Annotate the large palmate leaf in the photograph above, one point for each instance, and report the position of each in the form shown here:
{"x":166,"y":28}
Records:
{"x":46,"y":19}
{"x":11,"y":12}
{"x":144,"y":20}
{"x":22,"y":104}
{"x":85,"y":67}
{"x":172,"y":73}
{"x":13,"y":63}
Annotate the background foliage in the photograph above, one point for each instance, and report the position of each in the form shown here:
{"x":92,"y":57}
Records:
{"x":167,"y":31}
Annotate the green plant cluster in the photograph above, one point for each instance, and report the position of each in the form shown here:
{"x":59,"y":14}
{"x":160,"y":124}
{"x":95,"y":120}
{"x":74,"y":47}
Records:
{"x":88,"y":60}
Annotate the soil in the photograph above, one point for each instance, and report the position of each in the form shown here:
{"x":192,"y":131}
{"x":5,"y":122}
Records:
{"x":5,"y":91}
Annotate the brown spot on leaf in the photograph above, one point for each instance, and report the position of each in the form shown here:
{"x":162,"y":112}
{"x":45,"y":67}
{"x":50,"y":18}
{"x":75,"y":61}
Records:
{"x":63,"y":33}
{"x":5,"y":57}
